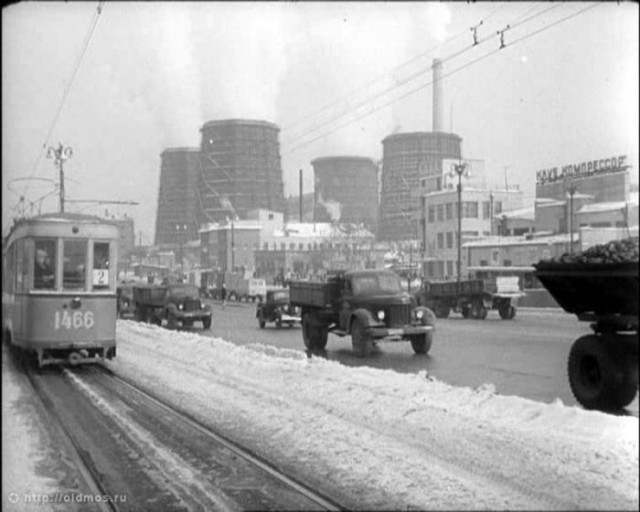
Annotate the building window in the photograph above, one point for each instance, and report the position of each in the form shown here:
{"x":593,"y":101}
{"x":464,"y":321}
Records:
{"x":432,"y":214}
{"x":486,"y":210}
{"x":449,"y":211}
{"x":470,"y":210}
{"x":507,"y":263}
{"x":450,"y":240}
{"x":450,"y":268}
{"x":495,"y":257}
{"x":440,"y":211}
{"x":440,"y":240}
{"x":498,"y":207}
{"x":483,"y":263}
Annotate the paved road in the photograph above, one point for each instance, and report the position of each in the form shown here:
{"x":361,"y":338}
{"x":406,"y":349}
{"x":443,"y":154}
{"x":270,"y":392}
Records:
{"x":524,"y":357}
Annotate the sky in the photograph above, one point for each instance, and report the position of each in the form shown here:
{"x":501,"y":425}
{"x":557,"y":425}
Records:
{"x":372,"y":439}
{"x":337,"y":78}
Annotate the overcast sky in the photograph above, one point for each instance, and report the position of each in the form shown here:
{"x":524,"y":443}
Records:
{"x":335,"y":77}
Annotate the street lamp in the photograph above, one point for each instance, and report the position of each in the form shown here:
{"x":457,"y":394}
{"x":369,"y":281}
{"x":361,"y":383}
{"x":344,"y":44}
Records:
{"x":459,"y":170}
{"x":60,"y":154}
{"x":180,"y":229}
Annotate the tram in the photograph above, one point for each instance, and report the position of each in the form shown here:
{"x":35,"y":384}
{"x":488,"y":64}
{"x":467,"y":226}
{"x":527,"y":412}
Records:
{"x":59,"y":288}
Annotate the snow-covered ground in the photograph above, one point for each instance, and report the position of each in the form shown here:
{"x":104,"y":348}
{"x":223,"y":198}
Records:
{"x":381,"y":439}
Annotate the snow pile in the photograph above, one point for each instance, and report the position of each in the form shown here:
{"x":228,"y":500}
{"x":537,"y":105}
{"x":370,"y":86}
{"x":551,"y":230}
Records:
{"x":379,"y":439}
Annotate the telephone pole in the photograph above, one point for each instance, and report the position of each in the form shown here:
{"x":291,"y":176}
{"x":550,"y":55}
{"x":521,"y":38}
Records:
{"x":60,"y":154}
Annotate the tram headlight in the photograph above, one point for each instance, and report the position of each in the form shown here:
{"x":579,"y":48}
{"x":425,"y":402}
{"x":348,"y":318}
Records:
{"x":381,"y":315}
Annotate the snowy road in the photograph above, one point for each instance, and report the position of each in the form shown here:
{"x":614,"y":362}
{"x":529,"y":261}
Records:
{"x":378,"y":439}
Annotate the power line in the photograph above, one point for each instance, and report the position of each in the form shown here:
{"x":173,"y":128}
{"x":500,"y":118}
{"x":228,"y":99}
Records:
{"x":417,"y":74}
{"x":67,"y":90}
{"x":482,"y":57}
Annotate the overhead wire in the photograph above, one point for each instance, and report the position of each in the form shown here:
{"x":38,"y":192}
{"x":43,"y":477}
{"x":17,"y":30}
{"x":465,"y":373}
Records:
{"x":67,"y":89}
{"x":417,"y":74}
{"x":460,"y":68}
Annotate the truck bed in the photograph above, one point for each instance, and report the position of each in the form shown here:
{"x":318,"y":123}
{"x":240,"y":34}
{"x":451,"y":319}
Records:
{"x":149,"y":294}
{"x":309,"y":293}
{"x":600,"y":288}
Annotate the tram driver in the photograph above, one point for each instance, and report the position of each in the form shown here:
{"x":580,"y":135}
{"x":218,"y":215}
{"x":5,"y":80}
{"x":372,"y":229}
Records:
{"x":43,"y":272}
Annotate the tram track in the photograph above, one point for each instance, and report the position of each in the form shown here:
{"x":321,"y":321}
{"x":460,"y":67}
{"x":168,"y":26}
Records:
{"x":179,"y":455}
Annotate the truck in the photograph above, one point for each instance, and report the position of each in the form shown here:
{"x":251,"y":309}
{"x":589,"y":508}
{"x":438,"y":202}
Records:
{"x":179,"y":302}
{"x":277,"y":308}
{"x":473,"y":298}
{"x":602,"y":366}
{"x":368,"y":305}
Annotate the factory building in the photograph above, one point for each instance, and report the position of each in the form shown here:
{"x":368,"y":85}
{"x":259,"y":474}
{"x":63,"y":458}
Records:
{"x":346,"y":190}
{"x":178,"y":216}
{"x":409,"y":158}
{"x":241,"y":169}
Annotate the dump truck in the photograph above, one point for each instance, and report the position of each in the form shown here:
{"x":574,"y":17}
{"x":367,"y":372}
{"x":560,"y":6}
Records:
{"x":171,"y":302}
{"x":368,"y":305}
{"x":473,"y":298}
{"x":600,"y":287}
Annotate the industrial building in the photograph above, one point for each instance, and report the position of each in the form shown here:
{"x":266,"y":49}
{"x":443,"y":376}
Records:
{"x":409,"y":158}
{"x":241,"y":169}
{"x":178,"y":216}
{"x":346,"y":190}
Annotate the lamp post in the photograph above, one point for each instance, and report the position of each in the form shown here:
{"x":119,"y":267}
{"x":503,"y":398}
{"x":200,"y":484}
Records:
{"x":459,"y":170}
{"x":60,"y":154}
{"x":181,"y":230}
{"x":572,"y":190}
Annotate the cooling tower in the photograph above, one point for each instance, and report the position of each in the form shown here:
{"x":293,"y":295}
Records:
{"x":407,"y":158}
{"x":178,"y":215}
{"x":241,"y":168}
{"x":346,"y":190}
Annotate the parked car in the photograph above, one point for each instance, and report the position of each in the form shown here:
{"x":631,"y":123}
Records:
{"x":277,"y":308}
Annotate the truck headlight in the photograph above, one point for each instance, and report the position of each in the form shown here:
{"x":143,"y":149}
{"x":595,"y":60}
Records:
{"x":419,"y":314}
{"x":180,"y":307}
{"x":381,"y":315}
{"x":203,"y":306}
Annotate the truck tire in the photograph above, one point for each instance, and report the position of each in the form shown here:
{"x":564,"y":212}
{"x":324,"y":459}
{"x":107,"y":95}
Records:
{"x":465,"y":310}
{"x":172,"y":322}
{"x":601,"y":377}
{"x":361,"y":343}
{"x":507,"y":312}
{"x":314,"y":333}
{"x":261,"y":321}
{"x":479,"y":311}
{"x":206,"y":323}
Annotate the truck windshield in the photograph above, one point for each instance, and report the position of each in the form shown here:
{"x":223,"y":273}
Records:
{"x":385,"y":283}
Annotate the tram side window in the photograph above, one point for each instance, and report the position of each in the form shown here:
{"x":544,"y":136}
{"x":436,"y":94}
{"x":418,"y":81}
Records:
{"x":100,"y":265}
{"x":44,"y":264}
{"x":74,"y":270}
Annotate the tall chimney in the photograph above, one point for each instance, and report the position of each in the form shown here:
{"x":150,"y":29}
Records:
{"x":438,"y":114}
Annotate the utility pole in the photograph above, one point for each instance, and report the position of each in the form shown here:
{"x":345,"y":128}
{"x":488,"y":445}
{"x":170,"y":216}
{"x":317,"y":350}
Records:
{"x":60,"y":154}
{"x":300,"y":204}
{"x":572,"y":190}
{"x":491,"y":213}
{"x":459,"y":170}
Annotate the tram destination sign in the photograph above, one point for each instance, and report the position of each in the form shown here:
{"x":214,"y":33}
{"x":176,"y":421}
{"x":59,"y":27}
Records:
{"x":582,"y":170}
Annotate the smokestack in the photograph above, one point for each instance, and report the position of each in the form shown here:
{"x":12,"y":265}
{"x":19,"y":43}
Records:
{"x":438,"y":114}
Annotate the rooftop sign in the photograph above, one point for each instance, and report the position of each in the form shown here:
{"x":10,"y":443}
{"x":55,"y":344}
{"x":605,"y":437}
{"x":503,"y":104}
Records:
{"x":582,"y":170}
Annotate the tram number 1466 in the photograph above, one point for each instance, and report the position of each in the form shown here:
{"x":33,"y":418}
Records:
{"x":76,"y":320}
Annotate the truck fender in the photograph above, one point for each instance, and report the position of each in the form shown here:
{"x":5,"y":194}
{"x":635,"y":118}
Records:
{"x":171,"y":308}
{"x":428,"y":316}
{"x":365,"y":317}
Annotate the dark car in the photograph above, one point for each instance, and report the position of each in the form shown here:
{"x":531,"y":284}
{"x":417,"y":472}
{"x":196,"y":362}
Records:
{"x":276,"y":308}
{"x":182,"y":304}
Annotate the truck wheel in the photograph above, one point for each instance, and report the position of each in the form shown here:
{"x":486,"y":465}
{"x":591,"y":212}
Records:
{"x":479,"y":311}
{"x":507,"y":312}
{"x":465,"y":311}
{"x":360,"y":342}
{"x":261,"y":322}
{"x":279,"y":322}
{"x":206,"y":323}
{"x":600,"y":378}
{"x":421,"y":343}
{"x":314,"y":333}
{"x":172,"y":323}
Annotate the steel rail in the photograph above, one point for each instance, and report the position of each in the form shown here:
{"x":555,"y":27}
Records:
{"x":250,"y":456}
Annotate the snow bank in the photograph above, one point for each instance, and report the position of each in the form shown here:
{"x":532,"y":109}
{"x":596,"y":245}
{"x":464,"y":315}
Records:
{"x":381,"y":439}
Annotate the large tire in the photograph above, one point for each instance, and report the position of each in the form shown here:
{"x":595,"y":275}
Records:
{"x":206,"y":323}
{"x":314,"y":333}
{"x":601,"y":375}
{"x":279,"y":322}
{"x":361,"y":343}
{"x":465,"y":310}
{"x":478,"y":311}
{"x":261,"y":321}
{"x":421,"y":343}
{"x":507,"y":312}
{"x":172,"y":322}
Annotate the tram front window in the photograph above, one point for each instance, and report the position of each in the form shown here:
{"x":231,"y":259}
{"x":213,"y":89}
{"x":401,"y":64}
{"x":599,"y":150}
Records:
{"x":100,"y":265}
{"x":44,"y":264}
{"x":74,"y":270}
